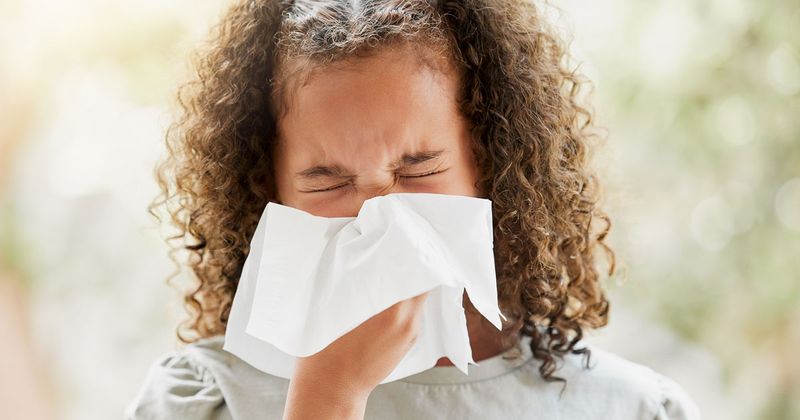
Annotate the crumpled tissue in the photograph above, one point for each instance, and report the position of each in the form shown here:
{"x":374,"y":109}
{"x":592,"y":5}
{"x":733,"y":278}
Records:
{"x":308,"y":280}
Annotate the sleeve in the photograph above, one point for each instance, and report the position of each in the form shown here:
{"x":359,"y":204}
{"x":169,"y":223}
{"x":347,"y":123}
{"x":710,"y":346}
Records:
{"x":177,"y":388}
{"x":675,"y":402}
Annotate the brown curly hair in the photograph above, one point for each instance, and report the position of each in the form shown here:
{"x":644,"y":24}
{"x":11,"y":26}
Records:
{"x":530,"y":136}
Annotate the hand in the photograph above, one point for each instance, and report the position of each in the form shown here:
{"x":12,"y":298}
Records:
{"x":336,"y":381}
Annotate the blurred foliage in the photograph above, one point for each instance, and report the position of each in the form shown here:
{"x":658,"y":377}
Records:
{"x":703,"y":105}
{"x":11,"y":241}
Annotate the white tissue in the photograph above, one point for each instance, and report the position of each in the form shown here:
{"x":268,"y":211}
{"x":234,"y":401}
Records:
{"x":308,"y":280}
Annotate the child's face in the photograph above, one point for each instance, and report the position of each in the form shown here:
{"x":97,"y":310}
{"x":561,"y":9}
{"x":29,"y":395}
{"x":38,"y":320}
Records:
{"x":367,"y":131}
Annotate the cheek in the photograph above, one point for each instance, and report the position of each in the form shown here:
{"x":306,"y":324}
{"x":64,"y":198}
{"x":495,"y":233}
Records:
{"x":460,"y":181}
{"x":328,"y":207}
{"x":283,"y":187}
{"x":284,"y":168}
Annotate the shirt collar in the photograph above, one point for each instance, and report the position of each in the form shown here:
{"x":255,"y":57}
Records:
{"x":498,"y":365}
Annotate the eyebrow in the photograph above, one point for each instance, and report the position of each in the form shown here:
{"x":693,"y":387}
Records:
{"x":338,"y":171}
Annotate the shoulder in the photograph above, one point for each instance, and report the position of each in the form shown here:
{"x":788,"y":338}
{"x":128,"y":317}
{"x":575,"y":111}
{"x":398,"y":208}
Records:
{"x":199,"y":381}
{"x":179,"y":385}
{"x":622,"y":389}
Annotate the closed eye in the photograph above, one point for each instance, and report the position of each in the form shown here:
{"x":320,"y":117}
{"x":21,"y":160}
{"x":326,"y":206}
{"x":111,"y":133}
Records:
{"x":336,"y":187}
{"x":423,"y":175}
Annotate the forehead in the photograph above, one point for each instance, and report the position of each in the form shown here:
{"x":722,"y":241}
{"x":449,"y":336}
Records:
{"x":389,"y":103}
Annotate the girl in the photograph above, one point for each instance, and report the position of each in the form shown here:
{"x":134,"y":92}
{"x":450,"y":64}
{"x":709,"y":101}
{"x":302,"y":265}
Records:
{"x":322,"y":104}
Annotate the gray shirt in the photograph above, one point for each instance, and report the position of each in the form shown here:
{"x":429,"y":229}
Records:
{"x":202,"y":381}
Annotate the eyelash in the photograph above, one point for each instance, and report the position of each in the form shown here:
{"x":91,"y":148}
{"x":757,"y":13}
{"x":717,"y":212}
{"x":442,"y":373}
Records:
{"x":336,"y":187}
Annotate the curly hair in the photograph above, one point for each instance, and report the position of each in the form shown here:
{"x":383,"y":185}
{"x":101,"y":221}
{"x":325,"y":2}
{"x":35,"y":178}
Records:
{"x":530,"y":136}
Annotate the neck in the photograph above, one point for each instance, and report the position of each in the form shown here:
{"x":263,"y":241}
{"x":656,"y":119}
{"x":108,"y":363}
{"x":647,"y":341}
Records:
{"x":485,"y":340}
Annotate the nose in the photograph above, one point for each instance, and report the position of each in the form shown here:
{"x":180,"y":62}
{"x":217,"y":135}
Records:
{"x":375,"y":190}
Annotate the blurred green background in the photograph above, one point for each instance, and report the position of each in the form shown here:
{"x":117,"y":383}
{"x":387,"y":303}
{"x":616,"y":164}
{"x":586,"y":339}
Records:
{"x":701,"y":101}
